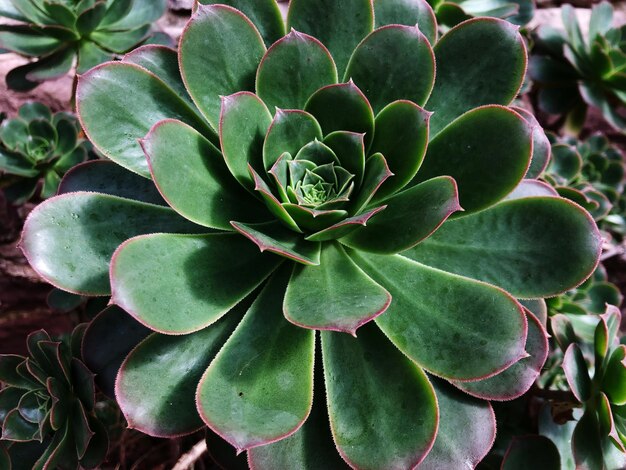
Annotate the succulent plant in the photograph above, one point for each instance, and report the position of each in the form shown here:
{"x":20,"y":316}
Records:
{"x":593,"y":364}
{"x":591,"y":173}
{"x":62,"y":34}
{"x":36,"y":149}
{"x":573,"y":72}
{"x":453,"y":12}
{"x":316,"y":221}
{"x":47,"y":407}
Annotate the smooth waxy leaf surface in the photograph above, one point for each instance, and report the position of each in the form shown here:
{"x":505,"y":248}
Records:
{"x":517,"y":379}
{"x":541,"y":144}
{"x":394,"y":62}
{"x":409,"y":13}
{"x":383,"y":411}
{"x":69,"y":240}
{"x":339,"y":24}
{"x":576,"y":373}
{"x":169,"y":282}
{"x":467,"y":429}
{"x":342,"y":107}
{"x":157,"y":383}
{"x":462,"y":82}
{"x":231,"y":49}
{"x":518,"y":245}
{"x":107,"y":177}
{"x":457,"y":328}
{"x":244,"y":121}
{"x":129,"y":115}
{"x":289,"y":132}
{"x":163,"y":62}
{"x":336,"y":295}
{"x":586,"y":444}
{"x":410,"y":216}
{"x":190,"y":174}
{"x":472,"y":146}
{"x":292,"y":69}
{"x":110,"y":336}
{"x":310,"y":448}
{"x":401,"y":136}
{"x":254,"y":393}
{"x":265,"y":15}
{"x":276,"y":238}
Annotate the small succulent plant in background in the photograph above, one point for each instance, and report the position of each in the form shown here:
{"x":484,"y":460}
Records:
{"x":573,"y":72}
{"x":453,"y":12}
{"x":61,"y":34}
{"x":595,"y":372}
{"x":592,"y":174}
{"x":48,"y":407}
{"x":295,"y":200}
{"x":37,"y":147}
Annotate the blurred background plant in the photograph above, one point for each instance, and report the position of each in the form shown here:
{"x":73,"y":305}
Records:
{"x":80,"y":34}
{"x":37,"y":147}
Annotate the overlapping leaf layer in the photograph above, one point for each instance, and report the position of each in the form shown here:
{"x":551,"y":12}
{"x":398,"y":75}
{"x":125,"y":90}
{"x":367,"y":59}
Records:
{"x":348,"y":195}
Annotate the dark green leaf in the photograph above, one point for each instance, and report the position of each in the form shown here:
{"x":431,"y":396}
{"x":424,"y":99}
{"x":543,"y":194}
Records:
{"x":259,"y":388}
{"x":409,"y":13}
{"x":178,"y":284}
{"x":518,"y":245}
{"x":383,"y":411}
{"x":394,"y":62}
{"x":337,"y":295}
{"x":231,"y":49}
{"x":453,"y":326}
{"x":531,"y":452}
{"x":292,"y":69}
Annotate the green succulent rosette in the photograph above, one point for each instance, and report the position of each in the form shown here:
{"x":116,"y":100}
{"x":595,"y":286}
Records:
{"x":573,"y":71}
{"x":591,"y":173}
{"x":36,"y":149}
{"x":308,"y":211}
{"x":593,"y":365}
{"x":453,"y":12}
{"x":47,"y":407}
{"x":61,"y":34}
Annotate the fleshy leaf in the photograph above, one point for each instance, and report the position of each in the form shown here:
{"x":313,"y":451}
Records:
{"x":383,"y":411}
{"x":614,"y":383}
{"x":393,"y":63}
{"x":107,"y":177}
{"x":337,"y":295}
{"x":342,"y":107}
{"x":586,"y":444}
{"x":157,"y":382}
{"x":346,"y":226}
{"x":190,"y":174}
{"x":409,"y":13}
{"x":401,"y":136}
{"x":495,"y":79}
{"x":244,"y":122}
{"x":265,"y":15}
{"x":350,"y":150}
{"x":231,"y":49}
{"x":110,"y":336}
{"x":69,"y":239}
{"x":532,"y":188}
{"x":410,"y":216}
{"x":541,"y":144}
{"x":339,"y":24}
{"x":517,"y":379}
{"x":309,"y":448}
{"x":290,"y":131}
{"x":130,"y":112}
{"x":167,"y":281}
{"x":467,"y":429}
{"x":456,"y":327}
{"x":252,"y":393}
{"x":277,"y":84}
{"x":518,"y":245}
{"x":276,"y":238}
{"x":576,"y":373}
{"x":472,"y":146}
